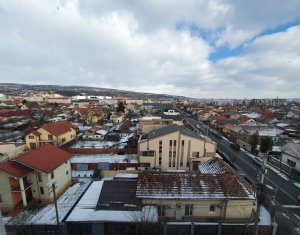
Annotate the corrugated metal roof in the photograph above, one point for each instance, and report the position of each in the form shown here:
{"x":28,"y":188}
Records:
{"x":172,"y":128}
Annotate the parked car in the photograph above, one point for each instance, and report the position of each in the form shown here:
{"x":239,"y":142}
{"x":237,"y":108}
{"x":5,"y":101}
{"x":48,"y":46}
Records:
{"x":234,"y":146}
{"x":258,"y":161}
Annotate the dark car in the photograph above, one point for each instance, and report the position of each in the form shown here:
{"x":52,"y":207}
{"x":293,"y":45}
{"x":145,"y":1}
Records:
{"x":234,"y":146}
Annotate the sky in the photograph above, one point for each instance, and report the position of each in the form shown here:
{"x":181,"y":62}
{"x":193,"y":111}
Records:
{"x":193,"y":48}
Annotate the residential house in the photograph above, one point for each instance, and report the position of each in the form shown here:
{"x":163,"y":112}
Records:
{"x":117,"y":117}
{"x":196,"y":197}
{"x":57,"y":133}
{"x":31,"y":175}
{"x":174,"y":148}
{"x":290,"y":155}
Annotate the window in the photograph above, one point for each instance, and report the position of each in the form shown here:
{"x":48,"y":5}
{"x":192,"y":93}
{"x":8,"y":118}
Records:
{"x":1,"y":200}
{"x":31,"y":137}
{"x":195,"y":154}
{"x":212,"y":208}
{"x":52,"y":174}
{"x":66,"y":162}
{"x":63,"y":140}
{"x":159,"y":161}
{"x":188,"y":209}
{"x":156,"y":122}
{"x":182,"y":142}
{"x":291,"y":163}
{"x":175,"y":142}
{"x":40,"y":177}
{"x":170,"y":143}
{"x":67,"y":172}
{"x":141,"y":164}
{"x":50,"y":137}
{"x":161,"y":210}
{"x":148,"y":153}
{"x":42,"y":190}
{"x":160,"y":142}
{"x":170,"y":153}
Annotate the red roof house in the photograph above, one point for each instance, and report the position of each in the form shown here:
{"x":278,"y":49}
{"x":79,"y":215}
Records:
{"x":44,"y":159}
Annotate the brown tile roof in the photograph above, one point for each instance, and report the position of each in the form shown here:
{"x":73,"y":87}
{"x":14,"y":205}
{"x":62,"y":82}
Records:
{"x":14,"y":169}
{"x":45,"y":159}
{"x":166,"y":185}
{"x":58,"y":128}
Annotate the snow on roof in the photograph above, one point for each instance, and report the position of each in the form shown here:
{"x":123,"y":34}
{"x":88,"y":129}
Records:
{"x":215,"y":166}
{"x":272,"y":132}
{"x":102,"y":132}
{"x":126,"y":175}
{"x":292,"y":149}
{"x":252,"y":115}
{"x":281,"y":124}
{"x":150,"y":118}
{"x":85,"y":210}
{"x":163,"y":185}
{"x":95,"y":158}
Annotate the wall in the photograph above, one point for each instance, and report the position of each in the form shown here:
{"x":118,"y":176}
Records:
{"x":236,"y":210}
{"x":184,"y":153}
{"x":5,"y":192}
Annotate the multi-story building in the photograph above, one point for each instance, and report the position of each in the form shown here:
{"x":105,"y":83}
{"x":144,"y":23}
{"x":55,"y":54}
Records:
{"x":31,"y":175}
{"x":174,"y":148}
{"x":151,"y":123}
{"x":57,"y":133}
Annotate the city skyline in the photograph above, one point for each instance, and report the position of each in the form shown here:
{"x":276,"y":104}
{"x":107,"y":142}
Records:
{"x":220,"y":49}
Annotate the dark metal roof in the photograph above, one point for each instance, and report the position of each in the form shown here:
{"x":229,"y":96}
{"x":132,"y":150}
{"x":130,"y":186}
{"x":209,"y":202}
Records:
{"x":119,"y":195}
{"x":173,"y":117}
{"x":170,"y":129}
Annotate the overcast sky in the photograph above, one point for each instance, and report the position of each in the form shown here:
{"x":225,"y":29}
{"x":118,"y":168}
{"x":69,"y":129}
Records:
{"x":197,"y":48}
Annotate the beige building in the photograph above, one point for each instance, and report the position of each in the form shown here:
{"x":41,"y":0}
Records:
{"x":30,"y":176}
{"x":216,"y":196}
{"x":57,"y":133}
{"x":174,"y":148}
{"x":151,"y":123}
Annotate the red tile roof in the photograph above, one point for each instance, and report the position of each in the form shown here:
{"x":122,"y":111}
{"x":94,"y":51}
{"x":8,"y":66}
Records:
{"x":15,"y":170}
{"x":45,"y":159}
{"x":58,"y":128}
{"x":216,"y":118}
{"x":36,"y":133}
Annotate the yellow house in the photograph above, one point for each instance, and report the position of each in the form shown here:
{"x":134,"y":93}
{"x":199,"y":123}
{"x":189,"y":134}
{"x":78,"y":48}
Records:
{"x":57,"y":133}
{"x":174,"y":148}
{"x":30,"y":176}
{"x":197,"y":197}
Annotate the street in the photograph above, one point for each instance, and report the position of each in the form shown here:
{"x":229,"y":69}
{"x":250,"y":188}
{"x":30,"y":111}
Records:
{"x":287,"y":206}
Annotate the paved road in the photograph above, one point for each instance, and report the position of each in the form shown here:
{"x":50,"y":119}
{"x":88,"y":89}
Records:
{"x":287,"y":205}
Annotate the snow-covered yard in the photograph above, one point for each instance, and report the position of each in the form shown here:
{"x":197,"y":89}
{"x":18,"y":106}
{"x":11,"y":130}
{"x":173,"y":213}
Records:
{"x":97,"y":144}
{"x":46,"y":214}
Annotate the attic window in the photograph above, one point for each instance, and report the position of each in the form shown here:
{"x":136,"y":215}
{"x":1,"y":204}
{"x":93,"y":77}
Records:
{"x":31,"y":137}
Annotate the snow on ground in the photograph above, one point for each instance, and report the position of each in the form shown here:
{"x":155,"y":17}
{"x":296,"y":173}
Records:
{"x":46,"y":214}
{"x":94,"y":144}
{"x":297,"y":184}
{"x":96,"y":158}
{"x":265,"y":217}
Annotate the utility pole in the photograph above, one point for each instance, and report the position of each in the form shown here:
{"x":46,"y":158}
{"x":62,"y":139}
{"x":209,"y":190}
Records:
{"x":265,"y":146}
{"x":2,"y":228}
{"x":55,"y":204}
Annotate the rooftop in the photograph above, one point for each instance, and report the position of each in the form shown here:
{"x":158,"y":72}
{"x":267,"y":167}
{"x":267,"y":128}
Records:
{"x":163,"y":185}
{"x":45,"y":159}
